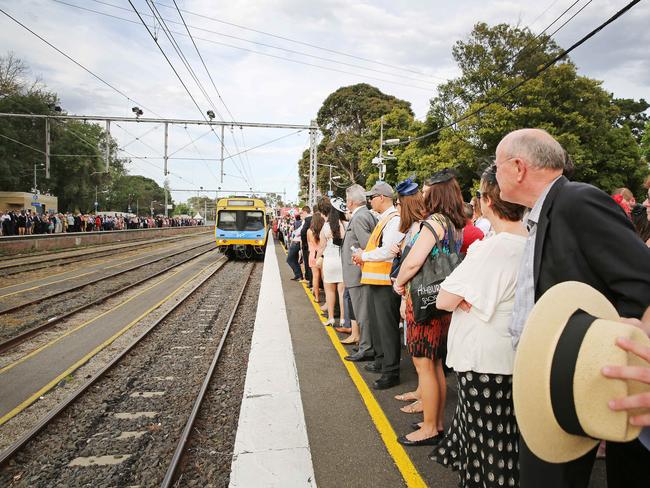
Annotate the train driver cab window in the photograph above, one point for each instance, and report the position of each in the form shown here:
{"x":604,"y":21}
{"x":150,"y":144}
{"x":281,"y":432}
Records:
{"x":227,"y":220}
{"x":254,"y":221}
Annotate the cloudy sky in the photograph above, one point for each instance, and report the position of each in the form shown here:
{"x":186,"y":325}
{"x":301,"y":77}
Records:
{"x":276,"y":61}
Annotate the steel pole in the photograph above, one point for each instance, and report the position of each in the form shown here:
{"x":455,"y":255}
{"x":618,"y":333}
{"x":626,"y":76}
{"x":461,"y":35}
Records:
{"x":47,"y":149}
{"x":107,"y":153}
{"x":221,"y":159}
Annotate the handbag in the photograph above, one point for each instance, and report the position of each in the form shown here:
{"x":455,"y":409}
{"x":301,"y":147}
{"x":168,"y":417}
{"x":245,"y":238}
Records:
{"x":425,"y":285}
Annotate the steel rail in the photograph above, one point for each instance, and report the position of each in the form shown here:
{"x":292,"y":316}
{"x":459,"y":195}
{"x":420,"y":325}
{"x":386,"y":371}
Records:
{"x":84,"y":256}
{"x":97,"y":280}
{"x":54,"y":413}
{"x":180,"y":447}
{"x":23,"y":336}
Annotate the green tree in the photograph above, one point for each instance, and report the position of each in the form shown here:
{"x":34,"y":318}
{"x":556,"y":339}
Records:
{"x":596,"y":129}
{"x":77,"y":148}
{"x":350,"y":139}
{"x":182,"y":209}
{"x":135,"y":192}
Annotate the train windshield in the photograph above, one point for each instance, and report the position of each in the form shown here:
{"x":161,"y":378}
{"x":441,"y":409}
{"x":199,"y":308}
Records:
{"x":240,"y":220}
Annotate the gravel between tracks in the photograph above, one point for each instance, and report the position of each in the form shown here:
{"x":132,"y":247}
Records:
{"x":89,"y":427}
{"x":16,"y":322}
{"x":208,"y":455}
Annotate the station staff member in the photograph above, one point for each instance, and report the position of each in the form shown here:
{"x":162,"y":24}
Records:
{"x":383,"y":305}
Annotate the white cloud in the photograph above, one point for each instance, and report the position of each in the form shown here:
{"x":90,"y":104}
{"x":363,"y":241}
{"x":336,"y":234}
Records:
{"x":407,"y":34}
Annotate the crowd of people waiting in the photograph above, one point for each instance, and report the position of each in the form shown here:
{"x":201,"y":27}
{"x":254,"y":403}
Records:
{"x":526,"y":229}
{"x":28,"y":222}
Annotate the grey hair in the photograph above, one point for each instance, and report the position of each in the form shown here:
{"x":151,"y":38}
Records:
{"x":538,"y":147}
{"x":356,"y":194}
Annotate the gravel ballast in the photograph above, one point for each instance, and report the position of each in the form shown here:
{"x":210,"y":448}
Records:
{"x":156,"y":384}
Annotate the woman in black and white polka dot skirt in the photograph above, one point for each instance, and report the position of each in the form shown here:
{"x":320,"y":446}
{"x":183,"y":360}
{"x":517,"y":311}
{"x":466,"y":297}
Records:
{"x":482,"y":440}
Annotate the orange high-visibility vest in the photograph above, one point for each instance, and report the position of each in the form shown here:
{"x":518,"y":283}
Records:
{"x":378,"y":272}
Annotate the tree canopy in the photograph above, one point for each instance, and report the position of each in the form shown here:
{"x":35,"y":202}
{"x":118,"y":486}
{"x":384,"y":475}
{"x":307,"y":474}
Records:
{"x":605,"y":136}
{"x":77,"y":164}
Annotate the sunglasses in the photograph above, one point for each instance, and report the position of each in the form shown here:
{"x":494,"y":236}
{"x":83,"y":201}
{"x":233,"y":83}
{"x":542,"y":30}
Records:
{"x":371,"y":197}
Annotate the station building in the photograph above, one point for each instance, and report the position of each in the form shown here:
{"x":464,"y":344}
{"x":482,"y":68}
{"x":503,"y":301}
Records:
{"x":19,"y":200}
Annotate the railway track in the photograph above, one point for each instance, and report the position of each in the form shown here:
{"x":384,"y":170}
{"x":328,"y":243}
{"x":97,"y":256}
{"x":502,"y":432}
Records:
{"x":23,"y":303}
{"x":10,"y":266}
{"x":19,"y":338}
{"x":132,"y":420}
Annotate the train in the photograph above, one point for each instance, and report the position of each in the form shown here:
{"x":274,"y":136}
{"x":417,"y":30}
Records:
{"x":242,"y":227}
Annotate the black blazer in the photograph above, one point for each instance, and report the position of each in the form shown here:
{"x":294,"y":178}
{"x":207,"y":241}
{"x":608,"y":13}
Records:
{"x":583,"y":235}
{"x":303,"y":232}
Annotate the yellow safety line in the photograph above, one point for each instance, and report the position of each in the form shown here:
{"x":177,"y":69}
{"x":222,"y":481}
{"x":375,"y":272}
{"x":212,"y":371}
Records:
{"x":26,"y":403}
{"x":409,"y":472}
{"x":44,"y":284}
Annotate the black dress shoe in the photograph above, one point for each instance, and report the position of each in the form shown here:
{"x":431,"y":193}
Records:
{"x":357,"y":358}
{"x":296,"y":278}
{"x":355,"y":349}
{"x":385,"y":382}
{"x":373,"y":367}
{"x":429,"y":441}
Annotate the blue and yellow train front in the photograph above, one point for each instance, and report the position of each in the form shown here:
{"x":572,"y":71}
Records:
{"x":241,"y":229}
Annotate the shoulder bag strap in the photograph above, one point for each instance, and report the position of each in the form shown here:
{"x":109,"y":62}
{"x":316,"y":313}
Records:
{"x":435,"y":234}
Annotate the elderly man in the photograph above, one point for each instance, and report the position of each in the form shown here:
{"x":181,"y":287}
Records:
{"x":576,"y":232}
{"x":361,"y":225}
{"x":376,"y":261}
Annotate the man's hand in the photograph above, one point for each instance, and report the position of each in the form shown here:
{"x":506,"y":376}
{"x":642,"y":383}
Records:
{"x":636,"y":373}
{"x":356,"y":258}
{"x":395,"y":250}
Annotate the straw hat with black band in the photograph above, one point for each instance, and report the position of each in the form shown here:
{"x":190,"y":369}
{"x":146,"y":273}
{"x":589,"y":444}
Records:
{"x":559,"y":393}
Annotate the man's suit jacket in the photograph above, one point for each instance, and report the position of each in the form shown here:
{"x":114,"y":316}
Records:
{"x":359,"y":229}
{"x":583,"y":235}
{"x":303,"y":232}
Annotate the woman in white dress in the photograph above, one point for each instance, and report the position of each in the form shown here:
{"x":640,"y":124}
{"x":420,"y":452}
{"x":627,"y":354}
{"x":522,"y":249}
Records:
{"x":331,"y":239}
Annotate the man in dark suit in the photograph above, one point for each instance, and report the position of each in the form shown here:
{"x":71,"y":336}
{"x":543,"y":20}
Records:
{"x":361,"y":225}
{"x":576,"y":233}
{"x":305,"y":215}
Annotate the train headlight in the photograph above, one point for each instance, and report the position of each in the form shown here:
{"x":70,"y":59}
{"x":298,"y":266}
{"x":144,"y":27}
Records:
{"x":259,"y":242}
{"x":222,"y":241}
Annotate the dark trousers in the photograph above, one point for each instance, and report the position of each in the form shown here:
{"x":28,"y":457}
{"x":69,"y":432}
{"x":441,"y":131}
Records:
{"x":535,"y":473}
{"x":384,"y":319}
{"x":305,"y":262}
{"x":292,"y":259}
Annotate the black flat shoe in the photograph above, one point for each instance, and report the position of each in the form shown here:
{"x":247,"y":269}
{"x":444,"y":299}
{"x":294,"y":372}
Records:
{"x":385,"y":382}
{"x":357,"y":358}
{"x":373,"y":368}
{"x":429,"y":441}
{"x":416,"y":426}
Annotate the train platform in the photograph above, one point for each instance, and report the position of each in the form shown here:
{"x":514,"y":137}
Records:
{"x":310,"y":418}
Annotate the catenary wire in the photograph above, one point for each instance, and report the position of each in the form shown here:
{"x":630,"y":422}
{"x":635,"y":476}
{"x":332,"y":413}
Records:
{"x":112,"y":87}
{"x":528,"y":78}
{"x":260,"y":53}
{"x":271,"y":46}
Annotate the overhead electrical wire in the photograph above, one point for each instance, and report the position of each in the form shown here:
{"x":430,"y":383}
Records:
{"x":214,"y":85}
{"x":528,"y":78}
{"x":179,"y":52}
{"x":295,"y":61}
{"x":112,"y":87}
{"x":271,"y":46}
{"x":303,"y":43}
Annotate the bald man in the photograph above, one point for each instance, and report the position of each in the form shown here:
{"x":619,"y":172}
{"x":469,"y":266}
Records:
{"x":576,"y":232}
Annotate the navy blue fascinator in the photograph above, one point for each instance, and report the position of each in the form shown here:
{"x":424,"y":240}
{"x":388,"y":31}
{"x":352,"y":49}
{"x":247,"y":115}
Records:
{"x":406,"y":187}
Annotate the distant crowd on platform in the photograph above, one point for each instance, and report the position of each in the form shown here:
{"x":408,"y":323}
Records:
{"x":526,"y":229}
{"x":28,"y":222}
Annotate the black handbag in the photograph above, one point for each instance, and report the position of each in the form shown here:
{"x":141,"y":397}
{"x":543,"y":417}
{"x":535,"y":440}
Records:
{"x":425,"y":285}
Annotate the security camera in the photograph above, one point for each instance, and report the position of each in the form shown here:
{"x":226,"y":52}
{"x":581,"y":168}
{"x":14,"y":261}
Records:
{"x":210,"y":114}
{"x":390,"y":153}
